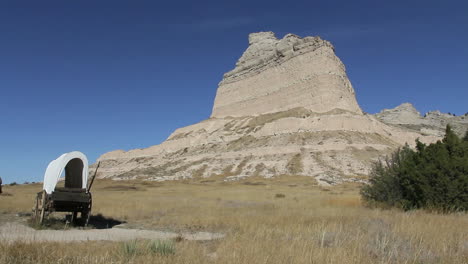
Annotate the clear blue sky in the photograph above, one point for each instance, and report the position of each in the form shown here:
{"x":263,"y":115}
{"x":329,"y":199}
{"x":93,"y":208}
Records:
{"x":96,"y":76}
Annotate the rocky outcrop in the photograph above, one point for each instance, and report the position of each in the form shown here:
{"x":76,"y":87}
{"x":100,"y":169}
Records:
{"x":332,"y":147}
{"x":276,"y":75}
{"x":432,"y":123}
{"x":287,"y":108}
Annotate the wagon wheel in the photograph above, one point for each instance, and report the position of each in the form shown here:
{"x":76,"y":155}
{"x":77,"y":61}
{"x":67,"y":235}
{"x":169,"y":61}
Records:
{"x":43,"y":207}
{"x":36,"y":209}
{"x":73,"y":217}
{"x":86,"y":215}
{"x":40,"y":207}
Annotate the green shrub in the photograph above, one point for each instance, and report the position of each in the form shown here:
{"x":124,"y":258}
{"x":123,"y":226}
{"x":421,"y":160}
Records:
{"x":432,"y":176}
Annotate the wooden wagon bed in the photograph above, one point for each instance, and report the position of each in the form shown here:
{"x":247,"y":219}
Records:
{"x":64,"y":200}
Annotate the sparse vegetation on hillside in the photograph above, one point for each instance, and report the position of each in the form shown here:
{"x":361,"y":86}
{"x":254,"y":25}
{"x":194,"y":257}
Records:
{"x":433,"y":176}
{"x":295,"y":165}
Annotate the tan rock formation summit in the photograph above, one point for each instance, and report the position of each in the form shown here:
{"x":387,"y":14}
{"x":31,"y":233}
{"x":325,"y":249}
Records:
{"x":287,"y":108}
{"x":276,"y":75}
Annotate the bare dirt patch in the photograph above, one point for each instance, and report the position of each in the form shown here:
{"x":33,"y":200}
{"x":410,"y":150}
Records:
{"x":14,"y":228}
{"x":13,"y":231}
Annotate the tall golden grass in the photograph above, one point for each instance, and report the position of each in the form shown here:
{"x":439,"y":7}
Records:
{"x":282,"y":220}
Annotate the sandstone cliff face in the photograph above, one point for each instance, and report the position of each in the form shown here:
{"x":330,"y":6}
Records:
{"x":432,"y":123}
{"x":287,"y":108}
{"x":275,"y":75}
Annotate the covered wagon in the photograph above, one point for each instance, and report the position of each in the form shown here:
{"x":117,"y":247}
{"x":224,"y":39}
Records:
{"x":74,"y":197}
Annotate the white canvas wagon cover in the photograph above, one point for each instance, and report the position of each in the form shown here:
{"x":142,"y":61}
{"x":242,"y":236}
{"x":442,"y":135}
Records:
{"x":75,"y":165}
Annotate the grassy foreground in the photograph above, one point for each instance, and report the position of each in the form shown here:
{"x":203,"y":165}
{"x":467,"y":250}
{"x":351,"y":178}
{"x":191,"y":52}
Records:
{"x":284,"y":220}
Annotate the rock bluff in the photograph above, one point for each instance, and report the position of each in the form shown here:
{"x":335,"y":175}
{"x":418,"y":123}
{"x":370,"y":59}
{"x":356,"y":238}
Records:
{"x":287,"y":108}
{"x":275,"y":75}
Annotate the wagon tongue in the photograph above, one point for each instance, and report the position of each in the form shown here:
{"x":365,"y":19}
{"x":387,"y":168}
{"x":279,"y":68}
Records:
{"x":91,"y":181}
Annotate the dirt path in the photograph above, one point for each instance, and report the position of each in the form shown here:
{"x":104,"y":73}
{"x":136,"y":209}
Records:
{"x":12,"y":231}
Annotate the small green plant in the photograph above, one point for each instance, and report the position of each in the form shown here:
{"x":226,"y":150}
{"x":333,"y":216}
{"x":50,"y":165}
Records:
{"x":279,"y":195}
{"x":130,"y":249}
{"x":162,"y":247}
{"x":133,"y":248}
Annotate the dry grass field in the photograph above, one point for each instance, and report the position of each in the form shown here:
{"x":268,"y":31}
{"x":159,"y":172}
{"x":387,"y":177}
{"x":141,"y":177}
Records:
{"x":283,"y":220}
